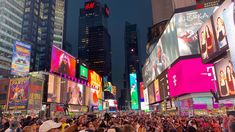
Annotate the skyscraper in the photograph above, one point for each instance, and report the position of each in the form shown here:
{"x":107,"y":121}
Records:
{"x":132,"y":62}
{"x":94,"y":39}
{"x":11,"y":14}
{"x":42,"y":27}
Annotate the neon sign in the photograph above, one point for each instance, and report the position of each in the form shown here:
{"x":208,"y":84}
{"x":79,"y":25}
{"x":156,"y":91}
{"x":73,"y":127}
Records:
{"x":107,"y":11}
{"x":90,"y":5}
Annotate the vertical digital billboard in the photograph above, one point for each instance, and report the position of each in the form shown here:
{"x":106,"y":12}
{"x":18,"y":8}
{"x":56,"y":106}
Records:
{"x":134,"y":92}
{"x":145,"y":104}
{"x":187,"y":24}
{"x":94,"y":100}
{"x":35,"y":94}
{"x":226,"y":77}
{"x":20,"y":59}
{"x":163,"y":85}
{"x":190,"y":76}
{"x":157,"y":90}
{"x":18,"y":93}
{"x":75,"y":96}
{"x":151,"y":93}
{"x":83,"y":72}
{"x":54,"y":89}
{"x":141,"y":91}
{"x":62,"y":62}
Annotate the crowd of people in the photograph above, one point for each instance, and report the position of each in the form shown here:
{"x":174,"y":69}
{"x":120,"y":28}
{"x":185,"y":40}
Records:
{"x":119,"y":122}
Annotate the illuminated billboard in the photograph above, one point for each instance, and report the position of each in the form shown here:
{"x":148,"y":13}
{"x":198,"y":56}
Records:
{"x":187,"y":24}
{"x":35,"y":94}
{"x":54,"y":89}
{"x":141,"y":91}
{"x":83,"y":72}
{"x":225,"y":76}
{"x":163,"y":85}
{"x":18,"y":93}
{"x":213,"y":35}
{"x":20,"y":59}
{"x":145,"y":104}
{"x":190,"y":76}
{"x":151,"y":93}
{"x":134,"y":92}
{"x":75,"y":91}
{"x":157,"y":90}
{"x":94,"y":97}
{"x":62,"y":62}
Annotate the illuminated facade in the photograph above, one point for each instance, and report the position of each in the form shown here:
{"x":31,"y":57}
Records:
{"x":11,"y":14}
{"x":94,"y":39}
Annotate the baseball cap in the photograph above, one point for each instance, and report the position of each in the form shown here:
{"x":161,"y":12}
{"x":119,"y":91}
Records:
{"x":48,"y":125}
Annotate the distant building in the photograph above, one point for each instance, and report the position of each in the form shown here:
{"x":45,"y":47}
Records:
{"x":132,"y":62}
{"x":94,"y":39}
{"x":11,"y":15}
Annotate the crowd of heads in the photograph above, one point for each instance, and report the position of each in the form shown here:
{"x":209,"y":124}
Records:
{"x":119,"y":122}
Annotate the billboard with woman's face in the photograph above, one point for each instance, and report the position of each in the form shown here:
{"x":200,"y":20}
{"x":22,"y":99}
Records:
{"x":225,"y":76}
{"x":62,"y":62}
{"x":75,"y":93}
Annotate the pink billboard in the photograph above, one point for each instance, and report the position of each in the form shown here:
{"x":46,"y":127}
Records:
{"x":190,"y":76}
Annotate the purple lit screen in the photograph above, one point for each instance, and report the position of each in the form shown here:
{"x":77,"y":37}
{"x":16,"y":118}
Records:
{"x":190,"y":76}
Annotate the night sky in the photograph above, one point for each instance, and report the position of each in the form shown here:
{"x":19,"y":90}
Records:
{"x":134,"y":11}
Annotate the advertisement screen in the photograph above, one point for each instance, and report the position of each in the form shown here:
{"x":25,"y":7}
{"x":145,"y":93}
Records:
{"x":134,"y":92}
{"x":190,"y":76}
{"x":151,"y":94}
{"x":4,"y":90}
{"x":157,"y":90}
{"x":35,"y":94}
{"x":54,"y":89}
{"x":20,"y":59}
{"x":225,"y":77}
{"x":18,"y":93}
{"x":229,"y":21}
{"x":187,"y":24}
{"x":83,"y":72}
{"x":145,"y":104}
{"x":95,"y":79}
{"x":163,"y":85}
{"x":93,"y":97}
{"x":148,"y":72}
{"x":141,"y":92}
{"x":62,"y":62}
{"x":75,"y":93}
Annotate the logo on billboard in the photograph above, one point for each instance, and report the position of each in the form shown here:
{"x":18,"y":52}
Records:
{"x":90,"y":5}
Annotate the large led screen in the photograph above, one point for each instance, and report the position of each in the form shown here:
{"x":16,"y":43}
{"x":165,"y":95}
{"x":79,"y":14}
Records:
{"x":225,"y":77}
{"x":18,"y":93}
{"x":163,"y":85}
{"x":148,"y":72}
{"x":141,"y":92}
{"x":96,"y":80}
{"x":151,"y":93}
{"x":35,"y":94}
{"x":83,"y":72}
{"x":4,"y":91}
{"x":20,"y":59}
{"x":134,"y":92}
{"x":187,"y":24}
{"x":145,"y":104}
{"x":157,"y":90}
{"x":54,"y":89}
{"x":62,"y":62}
{"x":93,"y":97}
{"x":190,"y":76}
{"x":75,"y":93}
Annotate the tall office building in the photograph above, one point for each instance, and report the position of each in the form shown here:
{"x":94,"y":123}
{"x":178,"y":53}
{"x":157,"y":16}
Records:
{"x":94,"y":40}
{"x":132,"y":62}
{"x":42,"y":27}
{"x":11,"y":14}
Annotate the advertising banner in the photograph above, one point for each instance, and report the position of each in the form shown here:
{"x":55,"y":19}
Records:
{"x":141,"y":91}
{"x":18,"y":93}
{"x":4,"y":85}
{"x":134,"y":92}
{"x":83,"y":72}
{"x":94,"y":97}
{"x":20,"y":59}
{"x":187,"y":24}
{"x":145,"y":104}
{"x":151,"y":94}
{"x":157,"y":91}
{"x":225,"y":77}
{"x":75,"y":93}
{"x":35,"y":94}
{"x":190,"y":76}
{"x":62,"y":62}
{"x":54,"y":89}
{"x":163,"y":85}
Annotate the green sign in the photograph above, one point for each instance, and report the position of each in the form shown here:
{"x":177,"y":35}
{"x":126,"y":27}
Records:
{"x":83,"y":72}
{"x":134,"y":92}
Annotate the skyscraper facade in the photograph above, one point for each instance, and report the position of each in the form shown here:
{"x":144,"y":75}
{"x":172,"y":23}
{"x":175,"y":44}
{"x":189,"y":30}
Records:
{"x":11,"y":14}
{"x":42,"y":27}
{"x":94,"y":40}
{"x":132,"y":61}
